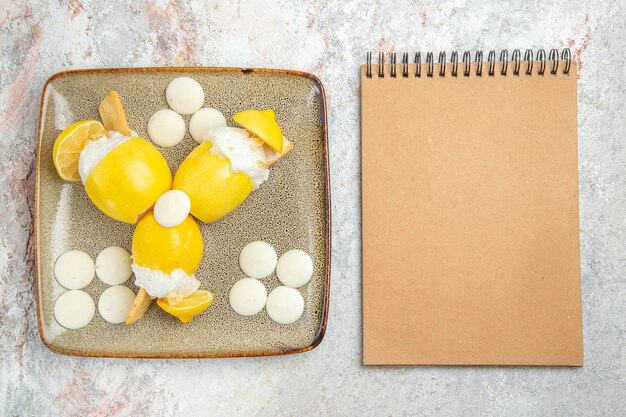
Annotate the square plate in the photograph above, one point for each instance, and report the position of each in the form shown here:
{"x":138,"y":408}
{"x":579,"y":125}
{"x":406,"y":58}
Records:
{"x":290,"y":210}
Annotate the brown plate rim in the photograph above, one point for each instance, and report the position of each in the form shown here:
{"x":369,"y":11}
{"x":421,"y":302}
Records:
{"x":325,"y":303}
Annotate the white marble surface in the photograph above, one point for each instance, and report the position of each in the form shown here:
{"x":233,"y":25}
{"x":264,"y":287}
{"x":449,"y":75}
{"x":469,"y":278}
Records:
{"x":329,"y":39}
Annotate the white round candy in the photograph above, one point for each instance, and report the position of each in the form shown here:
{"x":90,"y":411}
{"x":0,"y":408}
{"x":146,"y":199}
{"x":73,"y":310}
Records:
{"x":184,"y":95}
{"x":285,"y":305}
{"x":258,"y":259}
{"x":115,"y":303}
{"x":172,"y":208}
{"x":74,"y":309}
{"x":247,"y":297}
{"x":166,"y":128}
{"x":295,"y":268}
{"x":113,"y":265}
{"x":204,"y":120}
{"x":74,"y":269}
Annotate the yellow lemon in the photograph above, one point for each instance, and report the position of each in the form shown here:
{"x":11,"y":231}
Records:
{"x":189,"y":307}
{"x":70,"y":143}
{"x":263,"y":125}
{"x":128,"y":180}
{"x":213,"y":190}
{"x":165,"y":249}
{"x":269,"y":113}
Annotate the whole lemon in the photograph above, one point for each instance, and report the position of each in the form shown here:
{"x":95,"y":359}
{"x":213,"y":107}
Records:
{"x":213,"y":189}
{"x":166,"y":249}
{"x":128,"y":180}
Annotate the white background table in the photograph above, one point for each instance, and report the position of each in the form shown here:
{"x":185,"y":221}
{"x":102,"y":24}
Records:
{"x":329,"y":39}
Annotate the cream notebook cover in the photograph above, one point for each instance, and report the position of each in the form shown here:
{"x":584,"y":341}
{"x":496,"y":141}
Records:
{"x":470,"y":211}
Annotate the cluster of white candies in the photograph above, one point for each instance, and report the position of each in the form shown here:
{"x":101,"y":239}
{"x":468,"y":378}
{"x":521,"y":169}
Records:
{"x":185,"y":96}
{"x":74,"y":270}
{"x":284,"y":304}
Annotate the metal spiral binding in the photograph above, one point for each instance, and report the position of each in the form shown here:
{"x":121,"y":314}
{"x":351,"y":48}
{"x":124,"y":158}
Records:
{"x":405,"y":65}
{"x":567,"y":57}
{"x":541,"y":57}
{"x":393,"y":65}
{"x":491,"y":59}
{"x":516,"y":59}
{"x":528,"y":57}
{"x":442,"y":64}
{"x":504,"y":61}
{"x":479,"y":63}
{"x":467,"y":60}
{"x":429,"y":62}
{"x":418,"y":64}
{"x":554,"y":57}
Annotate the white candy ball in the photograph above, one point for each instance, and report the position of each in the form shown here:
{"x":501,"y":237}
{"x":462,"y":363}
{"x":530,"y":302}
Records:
{"x":115,"y":303}
{"x":247,"y":297}
{"x":258,"y":259}
{"x":285,"y":305}
{"x":203,"y":120}
{"x":113,"y":265}
{"x":74,"y":269}
{"x":295,"y":268}
{"x":184,"y":95}
{"x":166,"y":128}
{"x":172,"y":208}
{"x":74,"y":309}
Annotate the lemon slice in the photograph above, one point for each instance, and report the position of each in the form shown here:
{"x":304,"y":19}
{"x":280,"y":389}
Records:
{"x":70,"y":143}
{"x":263,"y":125}
{"x":189,"y":307}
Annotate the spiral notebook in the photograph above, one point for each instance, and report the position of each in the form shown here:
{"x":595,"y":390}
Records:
{"x":470,"y":210}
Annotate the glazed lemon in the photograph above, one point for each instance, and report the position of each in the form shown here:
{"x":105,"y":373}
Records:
{"x":213,"y":189}
{"x":70,"y":143}
{"x":128,"y":180}
{"x":165,"y":249}
{"x":189,"y":307}
{"x":262,"y":123}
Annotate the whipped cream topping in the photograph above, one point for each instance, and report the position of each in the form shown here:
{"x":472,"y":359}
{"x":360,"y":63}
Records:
{"x":246,"y":154}
{"x":159,"y":284}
